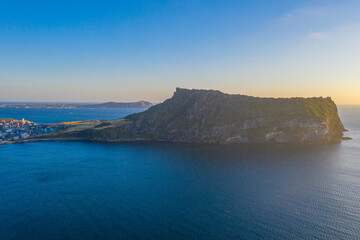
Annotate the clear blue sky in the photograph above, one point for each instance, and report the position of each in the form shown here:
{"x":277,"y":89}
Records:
{"x":132,"y":50}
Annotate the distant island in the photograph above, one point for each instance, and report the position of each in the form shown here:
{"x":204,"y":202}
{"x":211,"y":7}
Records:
{"x":210,"y":116}
{"x":139,"y":104}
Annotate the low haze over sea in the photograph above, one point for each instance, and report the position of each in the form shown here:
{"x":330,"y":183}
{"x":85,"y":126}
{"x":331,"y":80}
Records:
{"x":85,"y":190}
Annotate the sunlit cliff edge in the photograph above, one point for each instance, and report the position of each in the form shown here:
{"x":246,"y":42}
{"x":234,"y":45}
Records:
{"x":210,"y":116}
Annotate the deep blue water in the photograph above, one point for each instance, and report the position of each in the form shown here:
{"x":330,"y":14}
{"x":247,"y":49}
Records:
{"x":84,"y":190}
{"x":48,"y":115}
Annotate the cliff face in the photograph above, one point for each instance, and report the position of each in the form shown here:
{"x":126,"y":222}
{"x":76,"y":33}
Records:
{"x":208,"y":116}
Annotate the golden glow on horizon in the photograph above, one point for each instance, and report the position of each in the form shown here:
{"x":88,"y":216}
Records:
{"x":340,"y":95}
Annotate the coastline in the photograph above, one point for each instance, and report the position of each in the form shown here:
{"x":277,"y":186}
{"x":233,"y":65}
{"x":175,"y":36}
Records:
{"x":41,"y":140}
{"x":70,"y":139}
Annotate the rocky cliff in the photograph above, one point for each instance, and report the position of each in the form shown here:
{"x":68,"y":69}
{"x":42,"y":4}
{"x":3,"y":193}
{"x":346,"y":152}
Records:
{"x":208,"y":116}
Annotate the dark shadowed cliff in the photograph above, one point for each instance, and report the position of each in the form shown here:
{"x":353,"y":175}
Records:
{"x":208,"y":116}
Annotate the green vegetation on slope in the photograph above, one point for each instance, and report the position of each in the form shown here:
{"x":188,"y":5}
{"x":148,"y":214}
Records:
{"x":209,"y":108}
{"x":212,"y":116}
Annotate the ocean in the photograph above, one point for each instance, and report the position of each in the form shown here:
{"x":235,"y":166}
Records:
{"x":55,"y":115}
{"x":86,"y":190}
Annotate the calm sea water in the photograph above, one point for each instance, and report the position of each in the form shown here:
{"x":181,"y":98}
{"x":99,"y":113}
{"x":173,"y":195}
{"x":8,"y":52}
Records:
{"x":48,"y":115}
{"x":83,"y":190}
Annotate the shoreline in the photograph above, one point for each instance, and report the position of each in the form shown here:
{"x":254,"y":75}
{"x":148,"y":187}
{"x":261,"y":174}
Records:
{"x":42,"y":140}
{"x":174,"y":142}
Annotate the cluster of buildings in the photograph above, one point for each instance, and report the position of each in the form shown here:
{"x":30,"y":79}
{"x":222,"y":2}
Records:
{"x":12,"y":130}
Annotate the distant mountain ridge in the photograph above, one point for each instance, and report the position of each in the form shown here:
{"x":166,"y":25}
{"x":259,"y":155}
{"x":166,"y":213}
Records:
{"x":210,"y":116}
{"x":139,"y":104}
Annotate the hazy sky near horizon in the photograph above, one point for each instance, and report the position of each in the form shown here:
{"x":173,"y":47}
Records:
{"x":131,"y":50}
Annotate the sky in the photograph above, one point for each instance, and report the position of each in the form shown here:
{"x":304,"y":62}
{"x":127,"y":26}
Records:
{"x":96,"y":51}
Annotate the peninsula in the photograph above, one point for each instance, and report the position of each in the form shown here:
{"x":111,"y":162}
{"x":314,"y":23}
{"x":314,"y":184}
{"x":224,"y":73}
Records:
{"x":210,"y":116}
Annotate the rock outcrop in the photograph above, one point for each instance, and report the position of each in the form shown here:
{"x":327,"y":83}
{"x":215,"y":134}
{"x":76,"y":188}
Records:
{"x":209,"y":116}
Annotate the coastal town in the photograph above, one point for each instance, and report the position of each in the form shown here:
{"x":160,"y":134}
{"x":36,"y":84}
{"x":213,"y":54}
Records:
{"x":13,"y":131}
